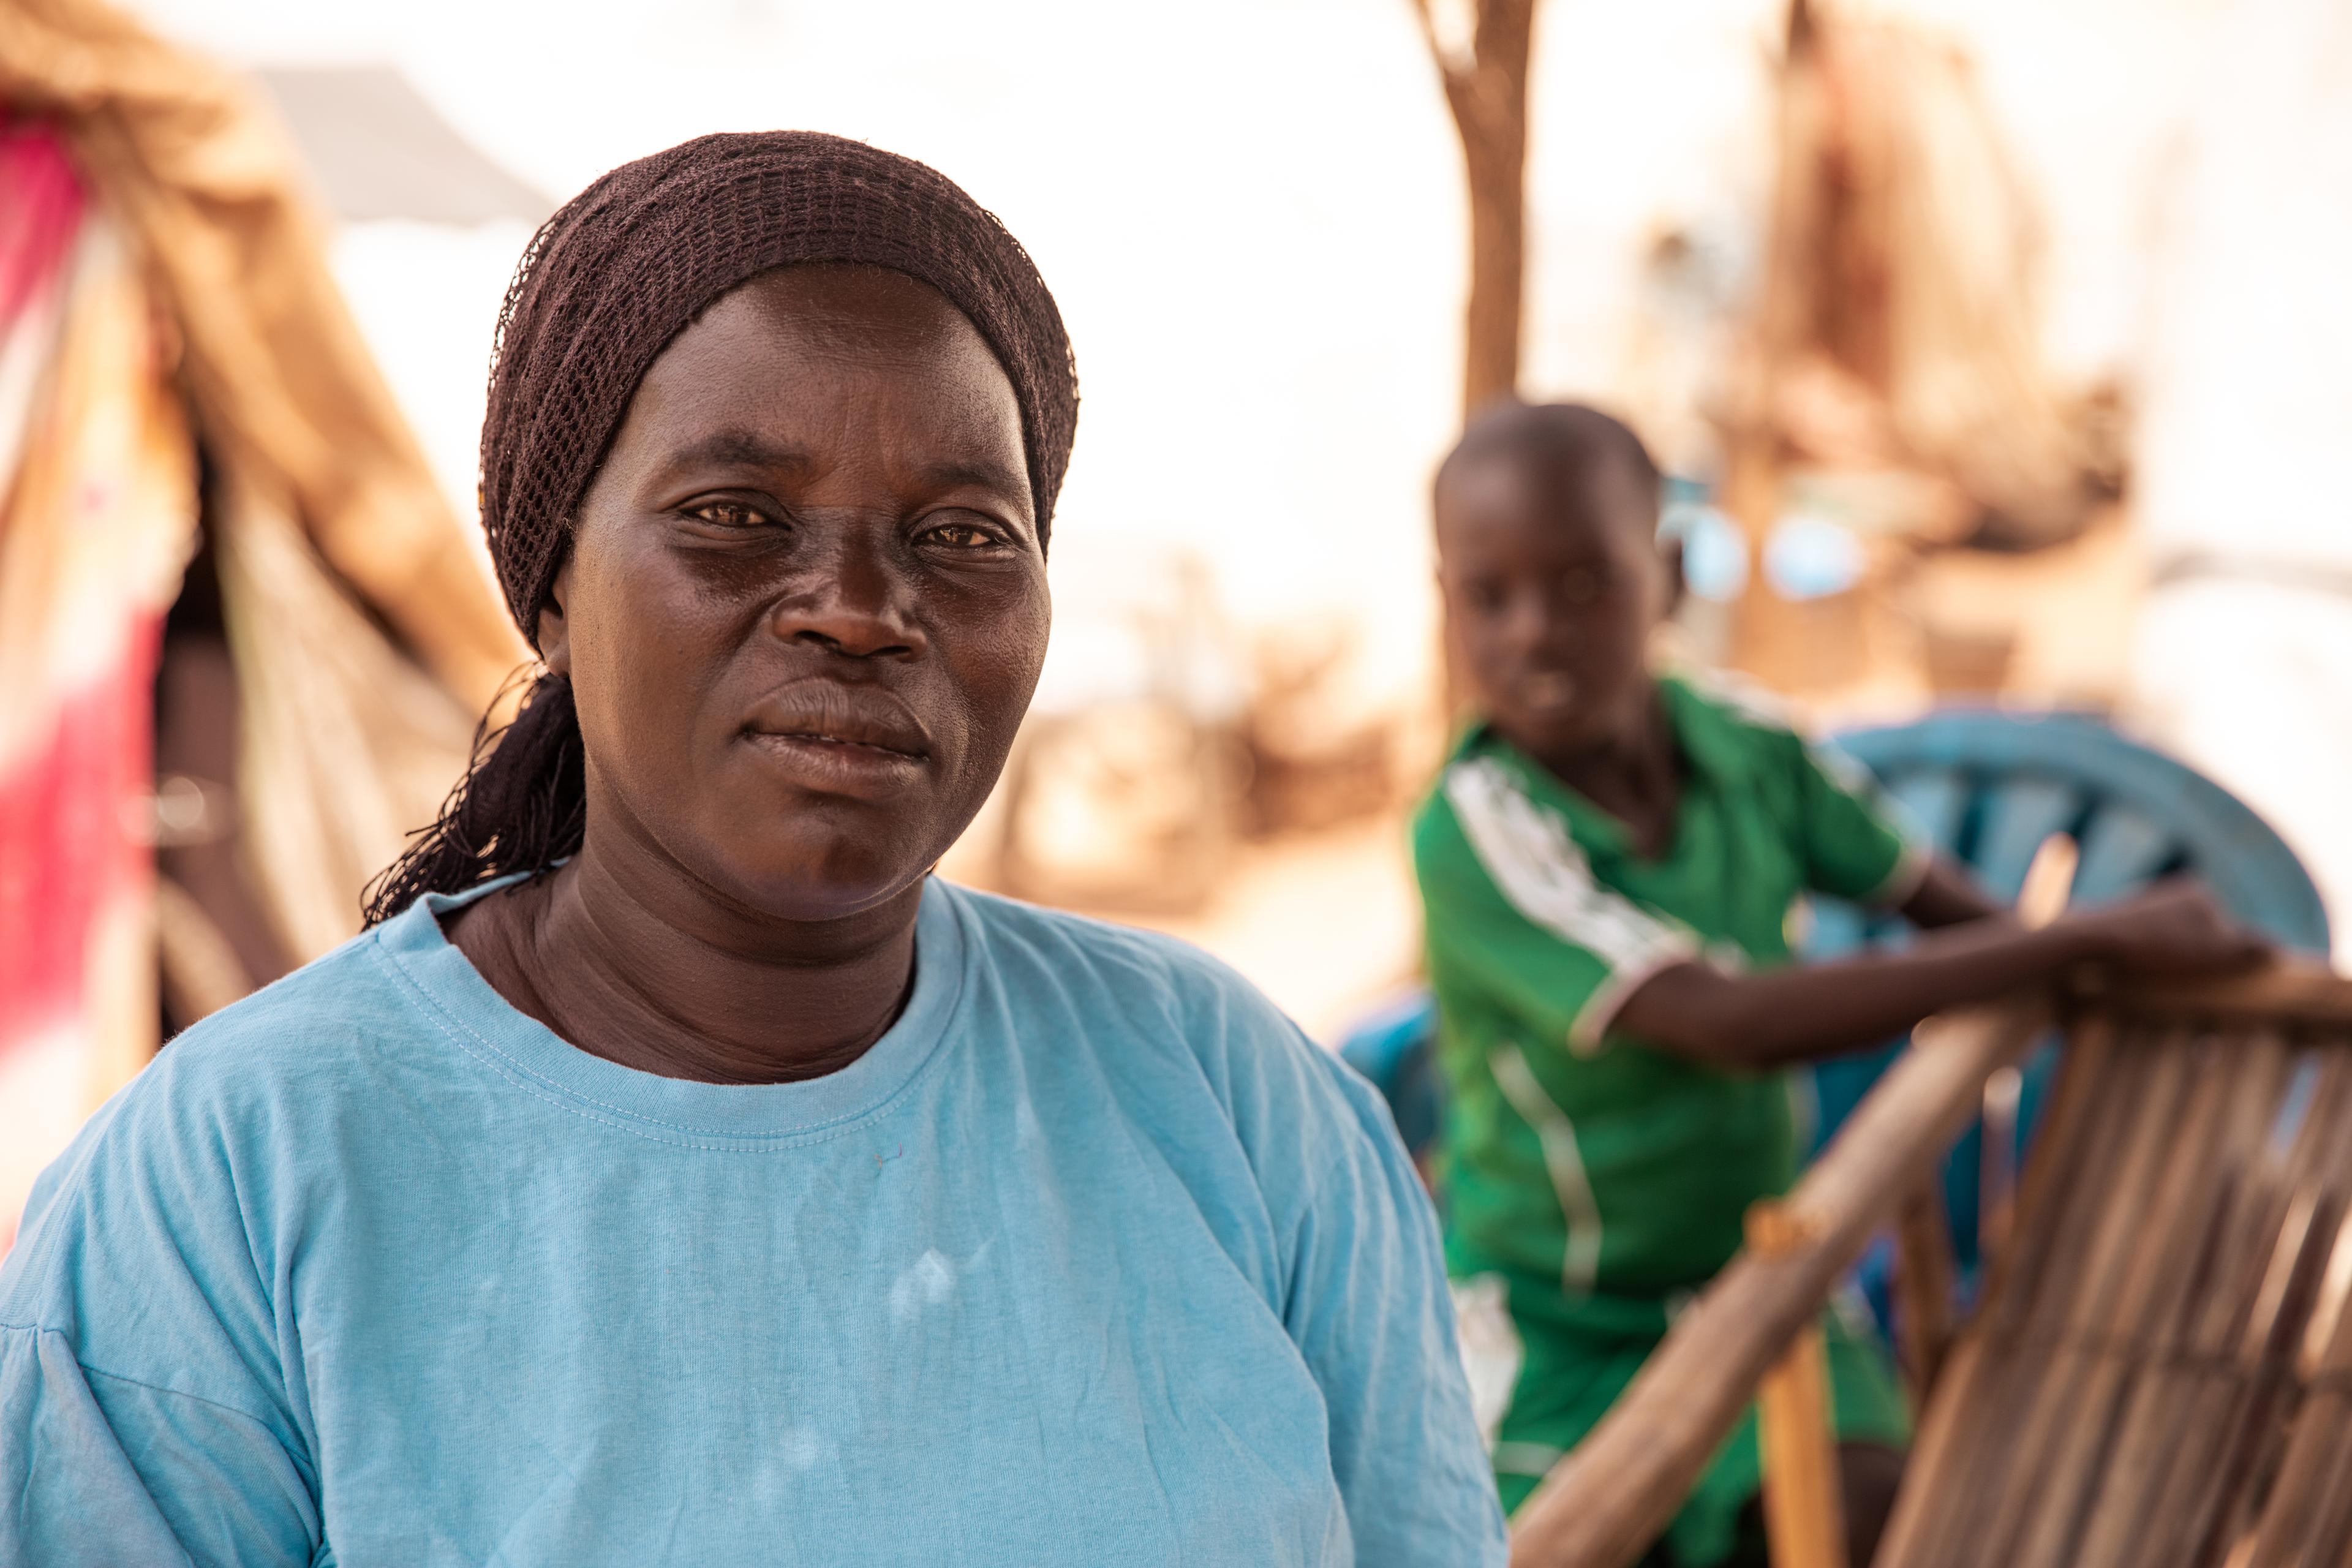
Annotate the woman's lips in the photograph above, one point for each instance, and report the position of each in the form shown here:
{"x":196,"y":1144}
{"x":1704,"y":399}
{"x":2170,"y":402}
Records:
{"x":839,"y":767}
{"x":840,"y":739}
{"x":832,"y":711}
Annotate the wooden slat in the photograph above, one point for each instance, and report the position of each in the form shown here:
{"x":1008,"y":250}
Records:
{"x":1923,"y":1507}
{"x":2155,"y":1454}
{"x":2252,"y":1387}
{"x":2035,"y":1462}
{"x":1604,"y":1504}
{"x":2053,"y":1174}
{"x":2110,"y":1339}
{"x":2239,"y":1098}
{"x":2308,"y":1515}
{"x":2301,"y":1502}
{"x":2041,"y":1300}
{"x":2291,"y":1350}
{"x":1970,"y":1432}
{"x":1953,"y":1428}
{"x":1926,"y":1275}
{"x":2161,"y":1372}
{"x":2291,"y":992}
{"x":2048,"y":1391}
{"x":1804,"y":1515}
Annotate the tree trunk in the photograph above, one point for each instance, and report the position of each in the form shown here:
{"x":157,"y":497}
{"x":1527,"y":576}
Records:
{"x":1485,"y":81}
{"x":1769,"y":633}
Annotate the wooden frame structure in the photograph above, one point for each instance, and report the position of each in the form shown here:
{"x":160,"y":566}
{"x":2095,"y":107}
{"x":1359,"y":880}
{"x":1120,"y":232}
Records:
{"x":2161,"y":1371}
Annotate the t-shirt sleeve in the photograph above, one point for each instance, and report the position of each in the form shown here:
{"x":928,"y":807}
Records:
{"x":1854,"y":844}
{"x":132,"y":1427}
{"x":1349,"y":1261}
{"x":1369,"y":1308}
{"x":1511,"y":906}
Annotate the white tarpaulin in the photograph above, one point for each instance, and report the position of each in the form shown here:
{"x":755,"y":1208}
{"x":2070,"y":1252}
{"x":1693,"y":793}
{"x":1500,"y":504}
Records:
{"x":2245,"y":646}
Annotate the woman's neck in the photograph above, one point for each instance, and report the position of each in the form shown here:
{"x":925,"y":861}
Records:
{"x":665,"y":979}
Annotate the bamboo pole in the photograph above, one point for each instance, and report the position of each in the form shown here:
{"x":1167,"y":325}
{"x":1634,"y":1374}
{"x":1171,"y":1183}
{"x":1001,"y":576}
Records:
{"x":1998,"y":1485}
{"x":1925,"y":1270}
{"x":2155,"y":1450}
{"x":1604,"y":1504}
{"x":2063,"y":1425}
{"x":2295,"y":1311}
{"x":2157,"y":1377}
{"x":2246,"y":1296}
{"x":1968,"y":1430}
{"x":1767,"y":631}
{"x":2113,"y":1338}
{"x":2308,"y":1515}
{"x":1804,"y":1515}
{"x":2293,"y":990}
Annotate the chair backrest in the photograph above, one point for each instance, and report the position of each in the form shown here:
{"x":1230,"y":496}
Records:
{"x":1987,"y":786}
{"x":2162,"y":1370}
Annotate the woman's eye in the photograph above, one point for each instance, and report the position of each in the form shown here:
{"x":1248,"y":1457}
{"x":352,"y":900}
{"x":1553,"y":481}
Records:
{"x":961,"y":536}
{"x":733,"y":514}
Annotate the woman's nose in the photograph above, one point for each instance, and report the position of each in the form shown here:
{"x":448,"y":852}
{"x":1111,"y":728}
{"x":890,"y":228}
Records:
{"x":856,"y":601}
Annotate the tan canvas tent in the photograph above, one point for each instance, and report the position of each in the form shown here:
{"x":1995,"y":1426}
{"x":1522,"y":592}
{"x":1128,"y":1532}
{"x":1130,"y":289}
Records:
{"x":356,"y":635}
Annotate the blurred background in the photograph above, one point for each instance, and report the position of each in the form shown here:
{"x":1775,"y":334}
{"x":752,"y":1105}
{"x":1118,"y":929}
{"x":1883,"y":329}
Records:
{"x":2000,"y":352}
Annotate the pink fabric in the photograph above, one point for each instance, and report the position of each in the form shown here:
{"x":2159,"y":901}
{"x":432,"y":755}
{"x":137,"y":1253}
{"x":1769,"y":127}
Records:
{"x":97,"y":507}
{"x":68,"y":839}
{"x":40,"y":213}
{"x":52,"y":853}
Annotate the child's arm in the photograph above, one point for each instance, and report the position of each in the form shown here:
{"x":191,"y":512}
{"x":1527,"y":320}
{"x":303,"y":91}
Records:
{"x":1696,"y":1011}
{"x":1948,"y":896}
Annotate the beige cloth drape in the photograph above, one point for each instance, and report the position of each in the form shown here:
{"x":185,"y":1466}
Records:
{"x":367,"y":638}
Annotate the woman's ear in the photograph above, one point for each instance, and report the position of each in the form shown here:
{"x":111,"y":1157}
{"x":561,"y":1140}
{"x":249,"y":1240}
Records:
{"x":555,"y":631}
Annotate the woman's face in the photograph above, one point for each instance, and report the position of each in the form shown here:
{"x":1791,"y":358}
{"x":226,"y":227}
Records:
{"x":806,"y":603}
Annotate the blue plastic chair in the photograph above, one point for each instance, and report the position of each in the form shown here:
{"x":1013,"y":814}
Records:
{"x":1986,"y":786}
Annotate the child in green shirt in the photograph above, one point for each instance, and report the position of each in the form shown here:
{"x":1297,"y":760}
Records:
{"x":1607,"y":863}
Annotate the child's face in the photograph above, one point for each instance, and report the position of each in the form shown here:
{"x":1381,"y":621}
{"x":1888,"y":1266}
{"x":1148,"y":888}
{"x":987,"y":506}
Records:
{"x":1552,"y":584}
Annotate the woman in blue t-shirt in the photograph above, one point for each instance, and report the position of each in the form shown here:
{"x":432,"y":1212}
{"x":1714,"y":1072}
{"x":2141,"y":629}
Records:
{"x":675,"y":1172}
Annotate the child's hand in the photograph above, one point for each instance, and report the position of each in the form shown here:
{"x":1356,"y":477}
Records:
{"x":2175,"y":928}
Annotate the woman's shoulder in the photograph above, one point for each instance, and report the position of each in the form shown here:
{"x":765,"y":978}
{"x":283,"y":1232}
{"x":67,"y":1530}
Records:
{"x":1142,"y":983}
{"x":1034,"y":939}
{"x":287,"y":1052}
{"x":218,"y":1116}
{"x":1154,"y":992}
{"x":350,"y":994}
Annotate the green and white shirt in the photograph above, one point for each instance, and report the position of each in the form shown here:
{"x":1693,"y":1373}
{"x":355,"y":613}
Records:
{"x":1575,"y":1156}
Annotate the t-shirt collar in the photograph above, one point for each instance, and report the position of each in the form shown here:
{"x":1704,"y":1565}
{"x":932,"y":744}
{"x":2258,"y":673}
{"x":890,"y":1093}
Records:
{"x":519,"y":1046}
{"x":1708,"y":745}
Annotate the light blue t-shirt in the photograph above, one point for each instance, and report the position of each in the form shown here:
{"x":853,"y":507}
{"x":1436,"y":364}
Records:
{"x":1093,"y":1259}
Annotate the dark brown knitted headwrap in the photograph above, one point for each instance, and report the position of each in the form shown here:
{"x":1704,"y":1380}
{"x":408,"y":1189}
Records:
{"x":607,"y":283}
{"x":631,"y":262}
